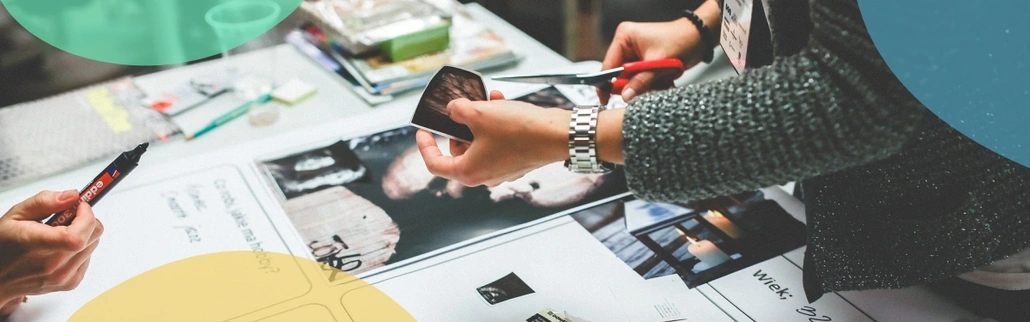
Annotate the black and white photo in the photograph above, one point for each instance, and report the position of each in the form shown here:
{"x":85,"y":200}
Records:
{"x":450,"y":83}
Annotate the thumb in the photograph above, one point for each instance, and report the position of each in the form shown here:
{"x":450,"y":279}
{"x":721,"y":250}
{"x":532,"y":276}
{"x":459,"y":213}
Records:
{"x":461,"y":110}
{"x":44,"y":204}
{"x":640,"y":83}
{"x":496,"y":96}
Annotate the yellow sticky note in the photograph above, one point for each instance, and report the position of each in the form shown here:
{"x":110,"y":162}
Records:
{"x":293,"y":92}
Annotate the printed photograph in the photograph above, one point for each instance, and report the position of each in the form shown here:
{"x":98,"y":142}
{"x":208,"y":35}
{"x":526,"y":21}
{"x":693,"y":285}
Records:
{"x":368,"y":202}
{"x":700,"y":241}
{"x":506,"y":288}
{"x":448,"y":84}
{"x":318,"y":169}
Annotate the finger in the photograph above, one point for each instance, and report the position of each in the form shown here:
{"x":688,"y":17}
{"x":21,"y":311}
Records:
{"x":9,"y":307}
{"x":44,"y":204}
{"x":437,"y":163}
{"x":613,"y":57}
{"x":80,"y":274}
{"x":496,"y":95}
{"x":461,"y":110}
{"x":74,"y":238}
{"x":458,"y":148}
{"x":98,"y":231}
{"x":82,"y":227}
{"x":603,"y":96}
{"x":621,"y":49}
{"x":640,"y":83}
{"x":67,"y":277}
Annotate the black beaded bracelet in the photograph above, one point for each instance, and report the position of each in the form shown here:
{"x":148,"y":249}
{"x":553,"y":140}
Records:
{"x":706,"y":36}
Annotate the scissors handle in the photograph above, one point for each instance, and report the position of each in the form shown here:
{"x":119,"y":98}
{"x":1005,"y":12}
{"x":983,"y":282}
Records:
{"x":630,"y":69}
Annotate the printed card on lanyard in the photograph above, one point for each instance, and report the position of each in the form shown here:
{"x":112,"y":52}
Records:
{"x":736,"y":30}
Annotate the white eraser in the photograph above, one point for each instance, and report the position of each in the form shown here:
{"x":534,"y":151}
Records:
{"x":293,"y":91}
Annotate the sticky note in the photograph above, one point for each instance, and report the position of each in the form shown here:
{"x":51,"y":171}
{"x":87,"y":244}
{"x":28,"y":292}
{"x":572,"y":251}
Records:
{"x":293,"y":92}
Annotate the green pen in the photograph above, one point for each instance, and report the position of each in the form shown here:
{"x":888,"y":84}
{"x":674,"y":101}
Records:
{"x":225,"y":118}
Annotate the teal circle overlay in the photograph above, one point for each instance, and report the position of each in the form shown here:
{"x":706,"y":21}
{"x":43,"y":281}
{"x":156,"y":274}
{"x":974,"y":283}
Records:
{"x":968,"y":62}
{"x":148,"y":32}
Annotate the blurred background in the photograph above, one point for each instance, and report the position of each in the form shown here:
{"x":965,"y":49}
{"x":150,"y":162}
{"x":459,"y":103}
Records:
{"x":578,"y":29}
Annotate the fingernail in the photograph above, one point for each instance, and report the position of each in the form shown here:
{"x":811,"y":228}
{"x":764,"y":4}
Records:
{"x":66,"y":196}
{"x":627,"y":94}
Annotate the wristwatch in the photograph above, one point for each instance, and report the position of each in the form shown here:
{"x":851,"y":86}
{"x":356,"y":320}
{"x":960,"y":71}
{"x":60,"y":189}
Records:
{"x":583,"y":142}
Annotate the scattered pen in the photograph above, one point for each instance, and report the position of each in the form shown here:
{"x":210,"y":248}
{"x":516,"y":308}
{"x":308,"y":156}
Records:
{"x":225,"y":118}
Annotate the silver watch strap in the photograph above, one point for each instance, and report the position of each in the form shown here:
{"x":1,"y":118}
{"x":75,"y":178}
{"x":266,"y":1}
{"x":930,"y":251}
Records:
{"x":583,"y":141}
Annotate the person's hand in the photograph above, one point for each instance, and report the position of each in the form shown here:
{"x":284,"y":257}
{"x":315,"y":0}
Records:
{"x":511,"y":139}
{"x":659,"y":40}
{"x":36,"y":258}
{"x":408,"y":175}
{"x":636,"y":41}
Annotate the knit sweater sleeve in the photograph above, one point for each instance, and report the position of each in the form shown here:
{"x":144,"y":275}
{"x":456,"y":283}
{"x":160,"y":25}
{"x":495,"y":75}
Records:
{"x":833,"y":105}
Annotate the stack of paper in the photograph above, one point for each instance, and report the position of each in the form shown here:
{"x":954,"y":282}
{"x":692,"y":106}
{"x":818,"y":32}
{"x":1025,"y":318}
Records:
{"x":375,"y":77}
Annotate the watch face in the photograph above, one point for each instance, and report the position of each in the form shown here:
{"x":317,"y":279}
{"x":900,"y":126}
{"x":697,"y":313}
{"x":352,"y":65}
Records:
{"x":449,"y":84}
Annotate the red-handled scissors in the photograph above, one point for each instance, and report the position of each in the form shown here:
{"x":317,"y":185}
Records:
{"x":612,"y":80}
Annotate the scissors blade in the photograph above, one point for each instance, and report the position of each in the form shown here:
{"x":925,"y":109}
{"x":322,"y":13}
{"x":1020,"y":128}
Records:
{"x":552,"y":79}
{"x":593,"y":79}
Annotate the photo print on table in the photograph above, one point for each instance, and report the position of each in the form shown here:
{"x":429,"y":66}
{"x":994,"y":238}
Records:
{"x":399,"y":211}
{"x":314,"y":170}
{"x":505,"y":288}
{"x":548,"y":97}
{"x":699,"y":240}
{"x":449,"y":83}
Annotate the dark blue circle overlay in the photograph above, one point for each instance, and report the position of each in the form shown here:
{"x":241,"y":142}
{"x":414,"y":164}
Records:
{"x":967,"y":61}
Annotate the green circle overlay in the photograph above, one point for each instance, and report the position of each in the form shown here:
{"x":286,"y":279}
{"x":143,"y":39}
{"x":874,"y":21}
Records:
{"x":148,"y":32}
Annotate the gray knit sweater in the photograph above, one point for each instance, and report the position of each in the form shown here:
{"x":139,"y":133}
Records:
{"x":894,"y":196}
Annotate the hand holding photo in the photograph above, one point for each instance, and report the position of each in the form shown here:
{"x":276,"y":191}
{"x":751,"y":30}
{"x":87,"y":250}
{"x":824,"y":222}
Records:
{"x":449,"y":84}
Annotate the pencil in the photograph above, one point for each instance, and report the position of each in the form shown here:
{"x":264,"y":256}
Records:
{"x":225,"y":118}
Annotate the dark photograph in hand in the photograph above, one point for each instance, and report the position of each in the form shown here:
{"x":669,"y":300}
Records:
{"x":700,"y":241}
{"x":448,"y":84}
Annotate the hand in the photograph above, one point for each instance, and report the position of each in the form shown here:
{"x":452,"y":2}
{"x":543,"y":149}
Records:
{"x":408,"y":175}
{"x":36,"y":258}
{"x":648,"y":41}
{"x":511,"y":139}
{"x":635,"y":41}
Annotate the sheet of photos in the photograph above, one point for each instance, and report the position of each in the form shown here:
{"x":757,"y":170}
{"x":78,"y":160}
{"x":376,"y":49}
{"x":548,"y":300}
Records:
{"x":369,"y":202}
{"x":699,"y":240}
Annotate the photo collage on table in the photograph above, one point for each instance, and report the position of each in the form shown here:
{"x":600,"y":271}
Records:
{"x":369,"y":202}
{"x":699,"y":240}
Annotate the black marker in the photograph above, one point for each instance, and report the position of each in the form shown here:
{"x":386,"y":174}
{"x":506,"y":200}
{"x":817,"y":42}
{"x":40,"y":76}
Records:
{"x":91,"y":194}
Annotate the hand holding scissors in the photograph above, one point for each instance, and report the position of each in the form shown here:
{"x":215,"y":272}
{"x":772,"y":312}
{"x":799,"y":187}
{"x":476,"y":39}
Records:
{"x":611,"y":81}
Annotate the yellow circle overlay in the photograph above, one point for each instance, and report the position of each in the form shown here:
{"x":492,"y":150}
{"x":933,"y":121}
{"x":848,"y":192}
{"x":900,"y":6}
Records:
{"x":243,"y":286}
